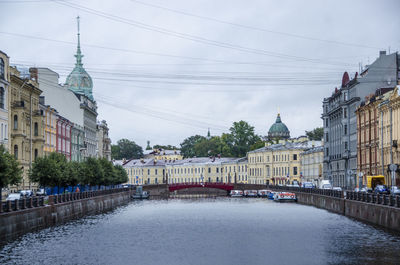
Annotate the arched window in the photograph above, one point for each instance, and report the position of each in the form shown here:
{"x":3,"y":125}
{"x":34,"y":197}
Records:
{"x":16,"y":151}
{"x":1,"y":68}
{"x":15,"y":122}
{"x":36,"y":129}
{"x":2,"y":98}
{"x":36,"y":153}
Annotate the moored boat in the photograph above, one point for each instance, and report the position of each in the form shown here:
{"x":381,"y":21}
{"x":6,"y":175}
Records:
{"x":270,"y":195}
{"x":285,"y":196}
{"x":236,"y":193}
{"x":250,"y":193}
{"x":263,"y":193}
{"x":140,"y":194}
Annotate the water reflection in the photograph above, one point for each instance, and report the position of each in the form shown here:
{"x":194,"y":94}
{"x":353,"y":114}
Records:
{"x":206,"y":231}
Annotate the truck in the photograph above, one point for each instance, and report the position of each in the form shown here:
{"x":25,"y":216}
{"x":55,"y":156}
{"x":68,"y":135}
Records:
{"x":325,"y":184}
{"x":373,"y":181}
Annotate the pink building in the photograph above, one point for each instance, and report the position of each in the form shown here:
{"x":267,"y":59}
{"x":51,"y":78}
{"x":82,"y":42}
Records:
{"x":64,"y":137}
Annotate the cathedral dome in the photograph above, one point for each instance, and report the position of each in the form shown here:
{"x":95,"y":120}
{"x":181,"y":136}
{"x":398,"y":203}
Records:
{"x":278,"y":130}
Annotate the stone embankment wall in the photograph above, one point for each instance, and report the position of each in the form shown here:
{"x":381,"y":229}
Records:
{"x":377,"y":214}
{"x":15,"y":224}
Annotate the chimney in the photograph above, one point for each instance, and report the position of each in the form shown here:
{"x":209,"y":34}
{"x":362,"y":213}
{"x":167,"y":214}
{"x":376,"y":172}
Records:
{"x":382,"y":53}
{"x":34,"y":73}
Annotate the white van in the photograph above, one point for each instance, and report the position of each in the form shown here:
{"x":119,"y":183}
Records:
{"x":13,"y":196}
{"x":325,"y":185}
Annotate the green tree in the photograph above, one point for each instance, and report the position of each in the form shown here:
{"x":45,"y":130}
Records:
{"x":93,"y":172}
{"x":165,"y":147}
{"x":187,"y":146}
{"x":126,"y":149}
{"x":317,"y":134}
{"x":257,"y":145}
{"x":121,"y":175}
{"x":211,"y":147}
{"x":10,"y":170}
{"x":50,"y":170}
{"x":109,"y":174}
{"x":243,"y":137}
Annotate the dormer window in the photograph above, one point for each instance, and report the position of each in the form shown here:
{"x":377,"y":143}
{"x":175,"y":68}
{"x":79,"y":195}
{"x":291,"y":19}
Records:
{"x":2,"y":74}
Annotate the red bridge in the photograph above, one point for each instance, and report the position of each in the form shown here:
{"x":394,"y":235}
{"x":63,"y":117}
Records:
{"x":214,"y":185}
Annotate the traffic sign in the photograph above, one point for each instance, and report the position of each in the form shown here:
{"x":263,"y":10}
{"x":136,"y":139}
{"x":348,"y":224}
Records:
{"x":393,"y":167}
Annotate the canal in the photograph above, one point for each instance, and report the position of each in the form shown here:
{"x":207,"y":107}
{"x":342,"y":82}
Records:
{"x":208,"y":231}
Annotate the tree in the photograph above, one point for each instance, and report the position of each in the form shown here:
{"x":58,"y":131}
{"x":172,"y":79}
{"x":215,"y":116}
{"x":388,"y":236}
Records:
{"x":317,"y":134}
{"x":122,"y":176}
{"x":243,"y":137}
{"x":47,"y":171}
{"x":165,"y":147}
{"x":93,"y":172}
{"x":126,"y":149}
{"x":109,"y":174}
{"x":10,"y":170}
{"x":187,"y":146}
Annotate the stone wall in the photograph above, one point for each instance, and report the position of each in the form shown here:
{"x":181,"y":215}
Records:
{"x":15,"y":224}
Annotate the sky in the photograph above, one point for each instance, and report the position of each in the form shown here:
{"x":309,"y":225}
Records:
{"x":167,"y":70}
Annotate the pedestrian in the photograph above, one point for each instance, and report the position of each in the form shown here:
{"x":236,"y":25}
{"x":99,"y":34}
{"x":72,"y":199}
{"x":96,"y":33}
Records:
{"x":77,"y":189}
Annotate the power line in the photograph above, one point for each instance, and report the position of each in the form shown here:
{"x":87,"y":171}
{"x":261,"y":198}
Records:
{"x":192,"y":37}
{"x":254,"y":28}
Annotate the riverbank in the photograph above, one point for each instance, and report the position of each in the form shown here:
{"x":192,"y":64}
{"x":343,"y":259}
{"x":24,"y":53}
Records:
{"x":16,"y":223}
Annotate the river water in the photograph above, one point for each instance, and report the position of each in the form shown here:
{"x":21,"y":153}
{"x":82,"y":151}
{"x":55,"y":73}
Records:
{"x":208,"y":231}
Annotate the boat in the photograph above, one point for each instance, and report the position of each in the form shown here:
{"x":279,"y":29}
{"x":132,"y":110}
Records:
{"x":263,"y":193}
{"x":285,"y":196}
{"x":236,"y":193}
{"x":270,"y":195}
{"x":250,"y":193}
{"x":140,"y":194}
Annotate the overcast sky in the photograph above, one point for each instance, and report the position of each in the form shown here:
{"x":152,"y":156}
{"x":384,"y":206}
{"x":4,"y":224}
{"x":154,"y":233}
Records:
{"x":166,"y":70}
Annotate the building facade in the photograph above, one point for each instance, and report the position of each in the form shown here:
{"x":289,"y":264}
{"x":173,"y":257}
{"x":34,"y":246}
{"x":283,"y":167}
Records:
{"x":4,"y":100}
{"x":163,"y":154}
{"x":340,"y":122}
{"x":311,"y":161}
{"x":50,"y":116}
{"x":77,"y":142}
{"x":389,"y":136}
{"x":26,"y":120}
{"x":64,"y":137}
{"x":103,"y":141}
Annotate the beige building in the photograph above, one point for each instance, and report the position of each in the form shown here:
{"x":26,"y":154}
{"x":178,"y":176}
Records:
{"x":311,"y":161}
{"x":103,"y":141}
{"x":4,"y":100}
{"x":26,"y":123}
{"x":277,"y":164}
{"x":389,"y":136}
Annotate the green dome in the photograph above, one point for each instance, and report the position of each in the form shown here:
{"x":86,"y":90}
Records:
{"x":278,"y":130}
{"x":79,"y":81}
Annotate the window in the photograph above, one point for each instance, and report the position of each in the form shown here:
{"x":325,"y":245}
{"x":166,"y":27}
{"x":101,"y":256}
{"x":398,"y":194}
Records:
{"x":295,"y":171}
{"x":16,"y":151}
{"x":2,"y":97}
{"x":209,"y":170}
{"x":1,"y":68}
{"x":217,"y":169}
{"x":326,"y":123}
{"x":344,"y":113}
{"x":345,"y":146}
{"x":326,"y":137}
{"x":148,"y":172}
{"x":156,"y":171}
{"x":295,"y":157}
{"x":345,"y":129}
{"x":36,"y":130}
{"x":36,"y":153}
{"x":15,"y":122}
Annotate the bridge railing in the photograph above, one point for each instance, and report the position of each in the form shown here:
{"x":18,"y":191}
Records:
{"x":325,"y":192}
{"x":33,"y":202}
{"x":382,"y":199}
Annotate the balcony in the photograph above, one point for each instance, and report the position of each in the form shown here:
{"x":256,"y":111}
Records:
{"x":18,"y":104}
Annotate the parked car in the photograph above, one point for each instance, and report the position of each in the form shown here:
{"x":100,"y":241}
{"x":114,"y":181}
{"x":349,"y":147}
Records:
{"x":26,"y":193}
{"x":337,"y":188}
{"x":395,"y":191}
{"x":40,"y":192}
{"x":309,"y":185}
{"x":381,"y":189}
{"x":13,"y":196}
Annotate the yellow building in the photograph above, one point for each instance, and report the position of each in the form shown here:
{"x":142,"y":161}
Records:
{"x":389,"y":135}
{"x":277,"y":164}
{"x":235,"y":171}
{"x":145,"y":171}
{"x":26,"y":123}
{"x":50,"y":127}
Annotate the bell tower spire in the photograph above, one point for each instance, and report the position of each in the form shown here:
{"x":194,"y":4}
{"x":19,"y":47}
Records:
{"x":79,"y":54}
